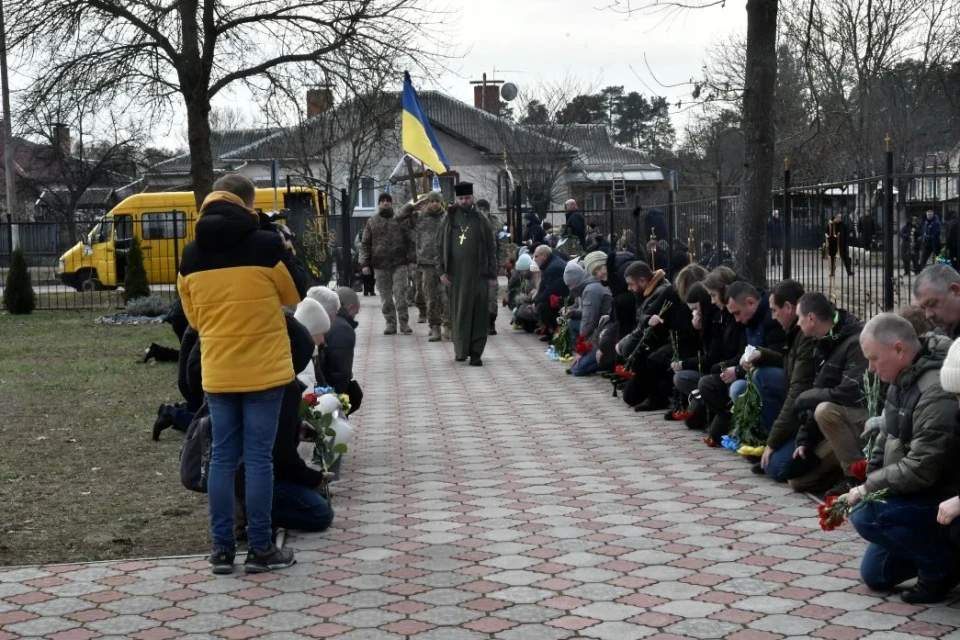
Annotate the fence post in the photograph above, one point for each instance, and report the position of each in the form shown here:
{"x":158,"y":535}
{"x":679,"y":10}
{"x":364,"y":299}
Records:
{"x":517,"y":216}
{"x":718,"y":252}
{"x":176,"y":246}
{"x":671,"y":226}
{"x":636,"y":233}
{"x":345,"y":278}
{"x":787,"y":257}
{"x":609,"y":222}
{"x":888,"y":224}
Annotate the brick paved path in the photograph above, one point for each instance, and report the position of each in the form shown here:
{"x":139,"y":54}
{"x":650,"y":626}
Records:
{"x":510,"y":501}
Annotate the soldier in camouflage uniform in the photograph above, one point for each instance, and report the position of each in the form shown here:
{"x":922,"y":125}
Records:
{"x":389,"y":252}
{"x":483,"y":206}
{"x":425,"y":217}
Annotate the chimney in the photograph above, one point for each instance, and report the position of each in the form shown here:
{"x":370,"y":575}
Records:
{"x":318,"y":101}
{"x":487,"y":97}
{"x":61,"y":137}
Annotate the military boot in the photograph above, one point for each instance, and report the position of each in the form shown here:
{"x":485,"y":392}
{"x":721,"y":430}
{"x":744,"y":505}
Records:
{"x":447,"y":335}
{"x":390,"y":330}
{"x":434,"y":334}
{"x":492,"y":329}
{"x":405,"y":328}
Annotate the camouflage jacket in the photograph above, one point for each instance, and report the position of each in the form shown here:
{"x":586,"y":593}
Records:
{"x":387,"y":243}
{"x":424,"y":227}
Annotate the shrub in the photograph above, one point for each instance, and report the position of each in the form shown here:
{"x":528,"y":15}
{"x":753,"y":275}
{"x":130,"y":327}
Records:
{"x":18,"y":295}
{"x":135,"y":281}
{"x":151,"y":306}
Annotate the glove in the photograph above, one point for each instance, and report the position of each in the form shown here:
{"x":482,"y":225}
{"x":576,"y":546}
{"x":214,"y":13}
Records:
{"x":872,"y":427}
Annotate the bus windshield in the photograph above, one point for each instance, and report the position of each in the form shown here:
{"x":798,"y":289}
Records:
{"x":102,"y":232}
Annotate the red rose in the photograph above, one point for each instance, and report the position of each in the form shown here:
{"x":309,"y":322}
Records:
{"x":583,"y":347}
{"x":554,"y":301}
{"x":310,"y":399}
{"x":859,"y":470}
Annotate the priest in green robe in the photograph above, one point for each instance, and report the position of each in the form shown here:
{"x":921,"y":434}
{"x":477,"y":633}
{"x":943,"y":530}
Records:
{"x":468,"y":264}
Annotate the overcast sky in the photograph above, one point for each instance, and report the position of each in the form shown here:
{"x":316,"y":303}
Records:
{"x":530,"y":41}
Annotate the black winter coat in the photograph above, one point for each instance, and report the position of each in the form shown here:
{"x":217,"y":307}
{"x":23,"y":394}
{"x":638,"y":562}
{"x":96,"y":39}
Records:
{"x":551,"y":281}
{"x":840,"y":365}
{"x":288,"y":466}
{"x":337,"y":361}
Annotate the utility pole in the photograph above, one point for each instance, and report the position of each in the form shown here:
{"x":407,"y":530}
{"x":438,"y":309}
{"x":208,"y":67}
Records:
{"x":8,"y":137}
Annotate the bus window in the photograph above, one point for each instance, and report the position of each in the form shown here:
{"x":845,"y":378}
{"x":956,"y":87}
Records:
{"x":102,"y":232}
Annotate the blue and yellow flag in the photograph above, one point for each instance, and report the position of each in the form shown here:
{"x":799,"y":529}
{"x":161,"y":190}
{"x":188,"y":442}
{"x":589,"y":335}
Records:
{"x":418,"y":138}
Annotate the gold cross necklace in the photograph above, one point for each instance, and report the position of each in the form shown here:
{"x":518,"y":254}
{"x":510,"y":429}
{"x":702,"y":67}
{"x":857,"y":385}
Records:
{"x":463,"y":233}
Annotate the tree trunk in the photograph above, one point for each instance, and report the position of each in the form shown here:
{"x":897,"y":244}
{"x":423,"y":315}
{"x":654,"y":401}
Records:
{"x":758,"y":131}
{"x":201,"y":157}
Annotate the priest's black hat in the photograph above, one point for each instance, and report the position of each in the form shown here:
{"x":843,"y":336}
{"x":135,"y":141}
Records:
{"x":464,"y":189}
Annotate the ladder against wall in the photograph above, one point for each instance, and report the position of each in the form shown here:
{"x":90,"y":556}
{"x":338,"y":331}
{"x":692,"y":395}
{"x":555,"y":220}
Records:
{"x":619,"y":188}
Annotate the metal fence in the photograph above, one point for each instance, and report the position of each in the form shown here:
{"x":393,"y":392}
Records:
{"x":872,"y":227}
{"x":836,"y":237}
{"x":89,"y":272}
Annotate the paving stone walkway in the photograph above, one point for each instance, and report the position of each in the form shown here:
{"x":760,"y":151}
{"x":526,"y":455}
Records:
{"x":510,"y":501}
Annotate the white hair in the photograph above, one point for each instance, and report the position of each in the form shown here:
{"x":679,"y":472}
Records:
{"x":327,"y":298}
{"x":570,"y":202}
{"x":544,"y":250}
{"x":888,"y":329}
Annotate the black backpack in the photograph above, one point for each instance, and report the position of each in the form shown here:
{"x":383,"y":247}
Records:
{"x":195,"y":452}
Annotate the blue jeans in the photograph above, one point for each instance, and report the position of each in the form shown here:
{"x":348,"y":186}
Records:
{"x":587,"y":365}
{"x":779,"y":465}
{"x":300,"y":508}
{"x":243,"y":424}
{"x":771,"y":383}
{"x":905,"y":542}
{"x":574,"y":324}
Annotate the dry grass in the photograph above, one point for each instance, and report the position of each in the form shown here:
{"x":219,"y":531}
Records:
{"x":80,"y":478}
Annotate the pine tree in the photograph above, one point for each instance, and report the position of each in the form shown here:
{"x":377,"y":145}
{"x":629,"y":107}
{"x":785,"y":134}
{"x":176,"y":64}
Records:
{"x":135,"y":281}
{"x":18,"y":295}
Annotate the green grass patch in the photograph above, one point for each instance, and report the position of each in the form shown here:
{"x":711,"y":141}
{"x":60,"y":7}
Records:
{"x":80,"y":477}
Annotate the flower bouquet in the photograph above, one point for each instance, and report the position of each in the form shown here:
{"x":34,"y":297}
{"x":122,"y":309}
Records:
{"x":679,"y":413}
{"x":561,"y":347}
{"x":582,"y":346}
{"x":329,"y":431}
{"x":746,"y":427}
{"x":835,"y":510}
{"x":872,"y":389}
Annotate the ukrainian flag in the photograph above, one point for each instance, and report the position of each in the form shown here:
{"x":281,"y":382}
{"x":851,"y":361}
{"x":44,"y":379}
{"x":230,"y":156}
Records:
{"x":418,"y":138}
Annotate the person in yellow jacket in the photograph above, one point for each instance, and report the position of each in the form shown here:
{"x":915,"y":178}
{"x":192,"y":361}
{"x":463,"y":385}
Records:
{"x":234,"y":281}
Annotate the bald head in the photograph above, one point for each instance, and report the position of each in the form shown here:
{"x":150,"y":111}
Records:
{"x":542,"y":255}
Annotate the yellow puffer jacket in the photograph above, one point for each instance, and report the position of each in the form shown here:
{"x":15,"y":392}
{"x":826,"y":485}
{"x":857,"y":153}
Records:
{"x":234,"y":281}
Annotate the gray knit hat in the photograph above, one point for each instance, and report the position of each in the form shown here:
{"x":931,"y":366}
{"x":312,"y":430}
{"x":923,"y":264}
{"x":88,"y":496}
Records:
{"x":573,"y":275}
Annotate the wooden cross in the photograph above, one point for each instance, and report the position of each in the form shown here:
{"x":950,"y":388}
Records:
{"x":463,"y":236}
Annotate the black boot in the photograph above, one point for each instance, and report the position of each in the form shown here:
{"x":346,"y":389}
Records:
{"x":719,"y":427}
{"x":149,"y":353}
{"x":928,"y":592}
{"x":698,"y":420}
{"x":492,"y":331}
{"x":475,"y":360}
{"x":652,"y":403}
{"x":163,"y":421}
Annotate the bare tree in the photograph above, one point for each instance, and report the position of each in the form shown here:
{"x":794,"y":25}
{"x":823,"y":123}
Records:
{"x":872,"y":65}
{"x":186,"y":52}
{"x":540,"y":153}
{"x":83,"y":145}
{"x":760,"y":74}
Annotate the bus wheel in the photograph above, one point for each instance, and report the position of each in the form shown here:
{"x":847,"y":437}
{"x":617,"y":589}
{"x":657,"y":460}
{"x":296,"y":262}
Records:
{"x":87,"y":281}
